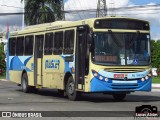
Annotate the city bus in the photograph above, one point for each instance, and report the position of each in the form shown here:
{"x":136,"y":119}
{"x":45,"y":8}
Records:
{"x":109,"y":55}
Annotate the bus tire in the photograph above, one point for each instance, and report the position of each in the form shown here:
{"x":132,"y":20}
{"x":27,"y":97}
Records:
{"x":24,"y":83}
{"x":70,"y":89}
{"x":119,"y":97}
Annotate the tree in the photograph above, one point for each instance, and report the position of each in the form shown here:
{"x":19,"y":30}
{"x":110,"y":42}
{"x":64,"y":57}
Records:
{"x":155,"y":54}
{"x":42,"y":11}
{"x":2,"y":60}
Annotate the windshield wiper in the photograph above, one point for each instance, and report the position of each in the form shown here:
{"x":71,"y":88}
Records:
{"x":115,"y":38}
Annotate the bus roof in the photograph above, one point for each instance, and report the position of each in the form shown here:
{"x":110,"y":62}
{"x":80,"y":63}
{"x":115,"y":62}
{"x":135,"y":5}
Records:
{"x":47,"y":24}
{"x":63,"y":24}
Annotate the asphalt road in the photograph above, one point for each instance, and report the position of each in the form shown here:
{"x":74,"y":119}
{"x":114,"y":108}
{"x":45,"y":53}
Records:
{"x":13,"y":99}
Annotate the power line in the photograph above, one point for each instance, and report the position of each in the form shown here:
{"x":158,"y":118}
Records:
{"x":75,"y":12}
{"x":138,"y":6}
{"x":118,"y":8}
{"x":80,"y":7}
{"x":11,"y":6}
{"x":131,"y":7}
{"x":76,"y":7}
{"x":144,"y":8}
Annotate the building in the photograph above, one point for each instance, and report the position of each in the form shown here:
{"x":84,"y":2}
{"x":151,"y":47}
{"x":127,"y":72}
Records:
{"x":3,"y":38}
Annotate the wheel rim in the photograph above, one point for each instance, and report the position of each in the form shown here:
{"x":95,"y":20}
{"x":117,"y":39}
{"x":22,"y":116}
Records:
{"x":71,"y":88}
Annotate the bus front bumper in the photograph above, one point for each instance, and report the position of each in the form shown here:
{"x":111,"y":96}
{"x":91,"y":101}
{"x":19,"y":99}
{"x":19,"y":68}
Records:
{"x":117,"y":86}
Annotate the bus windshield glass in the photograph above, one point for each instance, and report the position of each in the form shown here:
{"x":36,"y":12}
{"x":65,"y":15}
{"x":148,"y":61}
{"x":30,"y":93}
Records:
{"x":121,"y":48}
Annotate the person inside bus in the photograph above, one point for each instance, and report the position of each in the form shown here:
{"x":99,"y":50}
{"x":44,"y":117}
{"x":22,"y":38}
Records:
{"x":129,"y":51}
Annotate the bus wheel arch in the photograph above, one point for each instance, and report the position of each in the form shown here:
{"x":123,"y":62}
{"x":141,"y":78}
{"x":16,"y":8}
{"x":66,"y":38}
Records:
{"x":66,"y":77}
{"x":70,"y":88}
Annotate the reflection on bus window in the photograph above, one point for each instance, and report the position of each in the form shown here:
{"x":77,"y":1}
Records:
{"x":121,"y":49}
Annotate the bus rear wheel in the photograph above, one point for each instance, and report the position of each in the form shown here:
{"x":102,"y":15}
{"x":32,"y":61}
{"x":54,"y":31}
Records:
{"x":70,"y":89}
{"x":24,"y":83}
{"x":119,"y":97}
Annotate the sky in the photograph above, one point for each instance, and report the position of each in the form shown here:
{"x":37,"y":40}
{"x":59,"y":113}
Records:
{"x":150,"y":14}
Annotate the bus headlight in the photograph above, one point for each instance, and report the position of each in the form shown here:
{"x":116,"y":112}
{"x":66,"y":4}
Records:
{"x":146,"y":77}
{"x":106,"y":79}
{"x":142,"y":79}
{"x":95,"y":74}
{"x":100,"y":77}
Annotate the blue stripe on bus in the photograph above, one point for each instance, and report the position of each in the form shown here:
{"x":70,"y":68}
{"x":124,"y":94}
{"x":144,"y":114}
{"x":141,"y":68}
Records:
{"x":19,"y":63}
{"x":66,"y":67}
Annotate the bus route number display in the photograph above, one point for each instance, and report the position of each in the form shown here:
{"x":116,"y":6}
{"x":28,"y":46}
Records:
{"x":121,"y":24}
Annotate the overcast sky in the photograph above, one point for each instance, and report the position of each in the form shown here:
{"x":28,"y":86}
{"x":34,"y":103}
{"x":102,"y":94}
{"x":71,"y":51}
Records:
{"x":151,"y":13}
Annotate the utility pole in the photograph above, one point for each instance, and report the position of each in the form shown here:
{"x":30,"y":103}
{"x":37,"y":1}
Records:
{"x":101,"y":8}
{"x":23,"y":14}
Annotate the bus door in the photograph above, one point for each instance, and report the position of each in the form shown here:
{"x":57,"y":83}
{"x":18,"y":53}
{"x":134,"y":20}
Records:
{"x":81,"y":63}
{"x":38,"y":59}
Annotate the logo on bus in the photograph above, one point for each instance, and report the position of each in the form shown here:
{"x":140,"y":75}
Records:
{"x":52,"y":64}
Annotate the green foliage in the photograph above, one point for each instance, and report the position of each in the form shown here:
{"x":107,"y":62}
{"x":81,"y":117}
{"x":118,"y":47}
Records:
{"x":2,"y":59}
{"x":155,"y":54}
{"x":155,"y":79}
{"x":42,"y":11}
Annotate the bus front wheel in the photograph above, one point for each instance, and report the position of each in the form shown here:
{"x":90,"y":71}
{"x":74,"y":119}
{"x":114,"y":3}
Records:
{"x":119,"y":97}
{"x":70,"y":89}
{"x":24,"y":83}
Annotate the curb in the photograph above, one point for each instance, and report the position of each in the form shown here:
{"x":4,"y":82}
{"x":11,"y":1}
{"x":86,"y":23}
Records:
{"x":155,"y":85}
{"x":155,"y":90}
{"x":3,"y":80}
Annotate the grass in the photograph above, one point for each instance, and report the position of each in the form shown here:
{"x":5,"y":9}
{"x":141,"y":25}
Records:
{"x":2,"y":76}
{"x":156,"y":79}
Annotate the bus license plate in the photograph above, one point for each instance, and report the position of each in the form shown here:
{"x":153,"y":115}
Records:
{"x":118,"y":75}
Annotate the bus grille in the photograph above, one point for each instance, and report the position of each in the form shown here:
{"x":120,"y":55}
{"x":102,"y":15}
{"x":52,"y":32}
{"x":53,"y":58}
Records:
{"x":124,"y":70}
{"x":125,"y":86}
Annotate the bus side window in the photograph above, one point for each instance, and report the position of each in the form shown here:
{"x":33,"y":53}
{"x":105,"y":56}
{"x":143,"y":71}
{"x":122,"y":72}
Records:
{"x":12,"y":46}
{"x":48,"y":48}
{"x":69,"y":42}
{"x":20,"y":46}
{"x":28,"y":50}
{"x":58,"y":43}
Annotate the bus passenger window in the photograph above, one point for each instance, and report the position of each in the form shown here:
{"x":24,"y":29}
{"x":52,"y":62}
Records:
{"x":28,"y":45}
{"x":58,"y":43}
{"x":69,"y":42}
{"x":20,"y":46}
{"x":12,"y":46}
{"x":48,"y":48}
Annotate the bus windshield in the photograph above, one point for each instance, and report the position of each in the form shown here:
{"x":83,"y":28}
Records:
{"x":110,"y":48}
